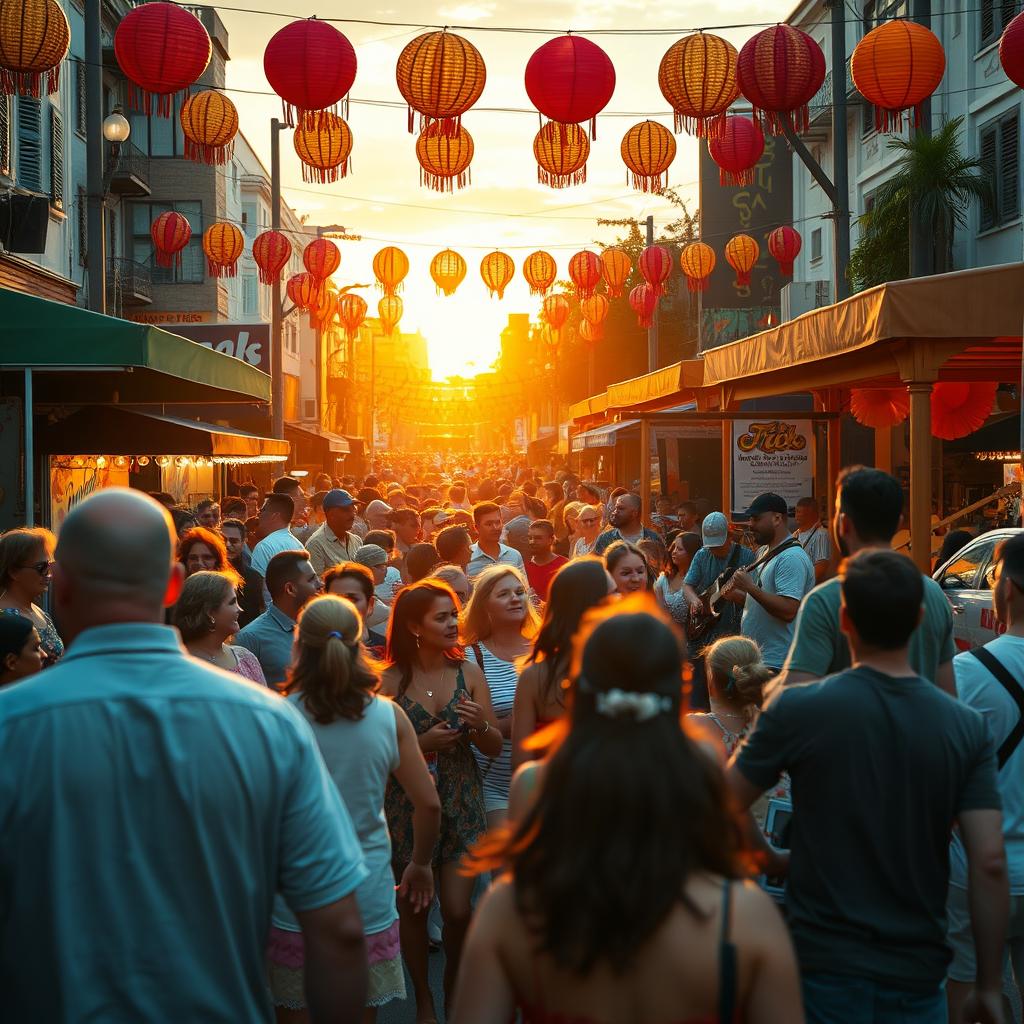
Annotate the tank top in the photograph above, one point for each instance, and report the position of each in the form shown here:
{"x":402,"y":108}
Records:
{"x":501,"y":681}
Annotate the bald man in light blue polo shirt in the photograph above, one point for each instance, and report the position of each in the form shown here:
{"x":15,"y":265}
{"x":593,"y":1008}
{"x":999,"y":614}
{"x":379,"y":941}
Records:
{"x":152,"y":806}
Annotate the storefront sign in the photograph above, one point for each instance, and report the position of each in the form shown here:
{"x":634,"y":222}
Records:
{"x":70,"y":486}
{"x":168,"y":318}
{"x":248,"y":342}
{"x":771,"y":455}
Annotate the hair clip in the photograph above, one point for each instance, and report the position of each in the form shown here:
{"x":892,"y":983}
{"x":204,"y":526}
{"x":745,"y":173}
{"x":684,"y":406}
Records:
{"x":642,"y":706}
{"x":334,"y":635}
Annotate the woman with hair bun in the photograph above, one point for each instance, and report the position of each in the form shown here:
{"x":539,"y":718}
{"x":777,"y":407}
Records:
{"x":365,"y":740}
{"x":620,"y":900}
{"x":21,"y":652}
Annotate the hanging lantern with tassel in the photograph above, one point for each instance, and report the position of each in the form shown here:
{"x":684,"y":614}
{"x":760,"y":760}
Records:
{"x":440,"y":75}
{"x":617,"y":267}
{"x":656,"y":267}
{"x":351,"y":312}
{"x":324,"y":147}
{"x":321,"y":258}
{"x":271,"y":252}
{"x":570,"y":80}
{"x":561,"y":152}
{"x":305,"y":291}
{"x":784,"y":244}
{"x":390,"y":310}
{"x":591,"y":331}
{"x":585,"y":272}
{"x":697,"y":261}
{"x":737,"y":150}
{"x":644,"y":302}
{"x":390,"y":266}
{"x":540,"y":271}
{"x":697,"y":76}
{"x":209,"y":122}
{"x":323,"y":316}
{"x":170,"y":232}
{"x":497,"y":269}
{"x":648,"y":150}
{"x":595,"y":309}
{"x":741,"y":253}
{"x":448,"y":269}
{"x":223,"y":244}
{"x":555,"y":311}
{"x":444,"y":157}
{"x":34,"y":40}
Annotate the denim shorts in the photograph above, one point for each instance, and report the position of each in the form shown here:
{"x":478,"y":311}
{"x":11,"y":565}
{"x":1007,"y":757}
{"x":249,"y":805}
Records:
{"x":846,"y":999}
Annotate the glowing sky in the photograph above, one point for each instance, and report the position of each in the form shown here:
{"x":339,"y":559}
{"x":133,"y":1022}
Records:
{"x":504,"y":207}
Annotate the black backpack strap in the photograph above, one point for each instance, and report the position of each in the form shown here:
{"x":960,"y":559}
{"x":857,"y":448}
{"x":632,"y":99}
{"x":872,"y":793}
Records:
{"x":1014,"y":689}
{"x":727,"y":967}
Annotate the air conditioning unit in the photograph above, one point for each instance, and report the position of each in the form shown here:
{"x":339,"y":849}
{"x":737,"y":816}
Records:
{"x":799,"y":297}
{"x":309,"y":408}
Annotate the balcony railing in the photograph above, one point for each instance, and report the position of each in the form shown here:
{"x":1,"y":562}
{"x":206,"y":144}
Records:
{"x":821,"y":105}
{"x":128,"y":171}
{"x":128,"y":284}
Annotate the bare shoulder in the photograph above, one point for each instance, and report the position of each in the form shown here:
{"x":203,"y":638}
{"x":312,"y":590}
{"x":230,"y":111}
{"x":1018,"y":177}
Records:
{"x":530,"y":676}
{"x":389,"y":680}
{"x":473,"y":674}
{"x":756,"y":919}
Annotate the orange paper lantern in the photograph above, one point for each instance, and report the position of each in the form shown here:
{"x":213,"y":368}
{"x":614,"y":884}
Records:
{"x":444,"y":157}
{"x":352,"y":313}
{"x":324,"y":146}
{"x":540,"y":271}
{"x":271,"y":252}
{"x":698,"y":77}
{"x":561,"y":151}
{"x":390,"y":266}
{"x":321,"y":258}
{"x":223,"y":245}
{"x":305,"y":291}
{"x":555,"y":311}
{"x":595,"y":309}
{"x":648,"y":150}
{"x":497,"y":269}
{"x":897,"y":66}
{"x":585,"y":272}
{"x":390,"y":310}
{"x":644,"y":302}
{"x":617,"y":267}
{"x":34,"y":39}
{"x":741,"y":253}
{"x":959,"y":409}
{"x":655,"y":267}
{"x":209,"y":122}
{"x":879,"y":407}
{"x":697,"y":261}
{"x":170,"y":232}
{"x":325,"y":312}
{"x":591,"y":332}
{"x":448,"y":269}
{"x":440,"y":75}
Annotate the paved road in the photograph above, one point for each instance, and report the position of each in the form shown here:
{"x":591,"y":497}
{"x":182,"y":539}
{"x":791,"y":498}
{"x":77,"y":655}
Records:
{"x":405,"y":1013}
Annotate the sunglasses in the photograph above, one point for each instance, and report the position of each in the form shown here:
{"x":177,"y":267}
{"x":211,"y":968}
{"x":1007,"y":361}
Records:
{"x":44,"y":568}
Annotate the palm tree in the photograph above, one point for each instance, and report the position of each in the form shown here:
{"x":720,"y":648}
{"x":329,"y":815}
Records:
{"x":934,"y":184}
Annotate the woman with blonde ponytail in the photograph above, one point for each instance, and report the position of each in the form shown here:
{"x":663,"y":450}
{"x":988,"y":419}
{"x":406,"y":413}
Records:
{"x":364,"y":739}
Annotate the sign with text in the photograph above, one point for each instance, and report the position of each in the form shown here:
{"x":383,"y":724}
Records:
{"x":68,"y":487}
{"x":771,"y":455}
{"x":168,"y":318}
{"x":248,"y":342}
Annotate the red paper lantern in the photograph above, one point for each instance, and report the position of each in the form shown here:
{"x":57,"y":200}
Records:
{"x":655,"y":267}
{"x":741,"y":253}
{"x":697,"y":76}
{"x":784,"y":244}
{"x":737,"y":150}
{"x":591,"y":332}
{"x":497,"y":269}
{"x":555,"y":311}
{"x":1011,"y":50}
{"x":305,"y":291}
{"x":617,"y":268}
{"x":162,"y":50}
{"x":170,"y":232}
{"x":561,"y":151}
{"x":34,"y":39}
{"x":585,"y":272}
{"x":959,"y":409}
{"x":271,"y":252}
{"x":311,"y":66}
{"x":595,"y":309}
{"x":448,"y":269}
{"x":321,"y":258}
{"x":390,"y":310}
{"x":540,"y":271}
{"x":644,"y":302}
{"x":352,"y":312}
{"x":325,"y":312}
{"x":697,"y":261}
{"x":440,"y":75}
{"x":780,"y":70}
{"x":223,"y":244}
{"x":879,"y":407}
{"x":570,"y":80}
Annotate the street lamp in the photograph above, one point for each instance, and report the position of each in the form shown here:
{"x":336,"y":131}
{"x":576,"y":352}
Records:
{"x":116,"y":129}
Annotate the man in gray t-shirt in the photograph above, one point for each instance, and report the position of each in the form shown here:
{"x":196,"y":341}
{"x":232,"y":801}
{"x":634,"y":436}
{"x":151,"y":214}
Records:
{"x":771,"y":594}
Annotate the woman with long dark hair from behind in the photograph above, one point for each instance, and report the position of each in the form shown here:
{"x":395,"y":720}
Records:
{"x":621,"y":904}
{"x":365,"y":741}
{"x":448,"y":704}
{"x":575,"y":589}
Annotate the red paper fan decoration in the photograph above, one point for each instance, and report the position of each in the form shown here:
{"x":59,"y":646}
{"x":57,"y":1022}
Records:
{"x":170,"y":232}
{"x":585,"y":273}
{"x":655,"y":267}
{"x":879,"y":407}
{"x":643,"y":302}
{"x":737,"y":150}
{"x":271,"y":252}
{"x":569,"y":79}
{"x":959,"y":409}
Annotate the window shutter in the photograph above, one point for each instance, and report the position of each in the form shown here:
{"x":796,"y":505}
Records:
{"x":30,"y":144}
{"x":80,"y":97}
{"x":1009,"y":159}
{"x":5,"y":135}
{"x":988,"y":158}
{"x":988,"y":21}
{"x":56,"y":159}
{"x":82,"y":211}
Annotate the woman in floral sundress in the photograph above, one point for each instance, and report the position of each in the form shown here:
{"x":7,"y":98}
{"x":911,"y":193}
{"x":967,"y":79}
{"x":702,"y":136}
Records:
{"x":447,"y":700}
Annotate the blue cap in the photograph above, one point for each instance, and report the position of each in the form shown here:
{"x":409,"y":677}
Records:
{"x":337,"y":498}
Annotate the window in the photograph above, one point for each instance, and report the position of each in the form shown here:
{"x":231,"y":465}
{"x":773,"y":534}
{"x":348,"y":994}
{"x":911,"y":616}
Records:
{"x":250,"y":296}
{"x":998,"y":143}
{"x":877,"y":11}
{"x":29,"y":163}
{"x":193,"y":267}
{"x":158,"y":136}
{"x":56,"y":159}
{"x":815,"y":245}
{"x":250,"y":221}
{"x":80,"y":97}
{"x":994,"y":16}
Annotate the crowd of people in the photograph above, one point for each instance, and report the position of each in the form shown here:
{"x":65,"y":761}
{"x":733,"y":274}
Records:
{"x":633,"y":771}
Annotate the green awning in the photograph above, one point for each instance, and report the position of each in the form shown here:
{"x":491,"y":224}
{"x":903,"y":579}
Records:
{"x":136,"y":362}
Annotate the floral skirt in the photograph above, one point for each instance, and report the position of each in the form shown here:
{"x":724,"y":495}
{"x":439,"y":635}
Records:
{"x":286,"y":955}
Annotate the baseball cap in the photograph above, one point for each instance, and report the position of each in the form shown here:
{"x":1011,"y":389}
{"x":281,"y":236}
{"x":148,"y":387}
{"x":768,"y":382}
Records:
{"x":714,"y":530}
{"x":768,"y":502}
{"x":370,"y":555}
{"x":337,"y":498}
{"x":376,"y":507}
{"x":443,"y":517}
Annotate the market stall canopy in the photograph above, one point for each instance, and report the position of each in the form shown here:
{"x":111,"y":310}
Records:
{"x":87,"y":357}
{"x":601,"y":437}
{"x":673,"y":383}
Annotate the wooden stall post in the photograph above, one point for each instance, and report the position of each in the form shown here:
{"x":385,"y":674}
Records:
{"x":645,"y":470}
{"x":921,"y":473}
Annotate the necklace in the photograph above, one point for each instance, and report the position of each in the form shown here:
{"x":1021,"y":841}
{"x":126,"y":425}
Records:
{"x":430,"y":693}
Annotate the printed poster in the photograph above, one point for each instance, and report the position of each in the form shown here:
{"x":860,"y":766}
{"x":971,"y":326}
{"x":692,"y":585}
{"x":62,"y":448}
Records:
{"x":771,"y":455}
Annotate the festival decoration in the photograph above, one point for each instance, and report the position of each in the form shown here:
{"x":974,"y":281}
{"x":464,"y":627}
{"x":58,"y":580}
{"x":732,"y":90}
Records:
{"x":697,"y":76}
{"x":209,"y":122}
{"x":324,"y":146}
{"x":585,"y":272}
{"x":595,"y":309}
{"x":170,"y":232}
{"x":390,"y":266}
{"x":570,"y":80}
{"x":561,"y":151}
{"x":321,"y":258}
{"x":897,"y":66}
{"x":644,"y":302}
{"x":34,"y":39}
{"x":444,"y":157}
{"x":697,"y":261}
{"x":271,"y":252}
{"x":351,"y":312}
{"x":390,"y":310}
{"x":223,"y":244}
{"x":741,"y":253}
{"x":306,"y":292}
{"x":737,"y":150}
{"x":959,"y":409}
{"x":540,"y":271}
{"x":448,"y":269}
{"x":648,"y":150}
{"x":655,"y":266}
{"x":555,"y":311}
{"x":784,"y":244}
{"x":780,"y":70}
{"x":311,"y":66}
{"x":440,"y":75}
{"x":497,"y":269}
{"x":617,"y":267}
{"x":162,"y":49}
{"x":1011,"y":50}
{"x":879,"y":407}
{"x":591,"y":331}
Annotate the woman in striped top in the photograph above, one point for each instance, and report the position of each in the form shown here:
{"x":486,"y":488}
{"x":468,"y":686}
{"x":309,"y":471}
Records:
{"x":498,"y":627}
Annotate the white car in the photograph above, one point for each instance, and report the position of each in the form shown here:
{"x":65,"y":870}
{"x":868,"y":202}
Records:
{"x":966,"y":580}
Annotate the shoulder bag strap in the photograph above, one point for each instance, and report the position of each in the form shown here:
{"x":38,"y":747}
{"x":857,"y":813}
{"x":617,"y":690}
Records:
{"x":1014,"y":689}
{"x":727,"y":968}
{"x":479,"y":655}
{"x":811,"y":537}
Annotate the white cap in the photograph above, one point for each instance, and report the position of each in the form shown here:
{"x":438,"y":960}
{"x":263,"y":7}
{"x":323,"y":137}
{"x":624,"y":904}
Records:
{"x":714,"y":530}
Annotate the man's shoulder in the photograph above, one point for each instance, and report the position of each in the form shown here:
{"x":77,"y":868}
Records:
{"x":826,"y":596}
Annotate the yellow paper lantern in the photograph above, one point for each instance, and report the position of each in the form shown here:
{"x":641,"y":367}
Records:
{"x":648,"y":150}
{"x":697,"y":76}
{"x":390,"y":266}
{"x":561,"y":151}
{"x":448,"y":269}
{"x":324,"y":146}
{"x":444,"y":157}
{"x":209,"y":122}
{"x":497,"y":269}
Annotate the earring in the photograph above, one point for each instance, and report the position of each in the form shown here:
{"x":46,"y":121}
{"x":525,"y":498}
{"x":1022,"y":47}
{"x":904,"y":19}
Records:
{"x":417,"y":638}
{"x":213,"y":623}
